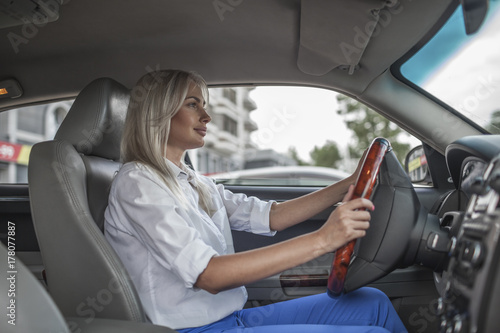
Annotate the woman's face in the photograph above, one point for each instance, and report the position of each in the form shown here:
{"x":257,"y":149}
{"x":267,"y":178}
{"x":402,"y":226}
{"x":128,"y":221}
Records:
{"x":189,"y":125}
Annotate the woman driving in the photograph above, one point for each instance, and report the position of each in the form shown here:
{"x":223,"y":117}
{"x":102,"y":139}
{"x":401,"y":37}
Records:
{"x":171,"y":227}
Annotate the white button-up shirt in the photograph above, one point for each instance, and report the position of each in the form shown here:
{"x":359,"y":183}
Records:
{"x":165,"y":246}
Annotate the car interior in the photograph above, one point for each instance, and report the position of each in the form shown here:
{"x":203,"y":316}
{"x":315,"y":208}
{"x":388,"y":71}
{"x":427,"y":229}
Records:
{"x":432,"y":247}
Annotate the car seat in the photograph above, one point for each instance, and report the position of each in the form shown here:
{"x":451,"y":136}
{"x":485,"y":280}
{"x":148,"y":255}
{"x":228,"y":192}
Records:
{"x":33,"y":310}
{"x":69,"y":180}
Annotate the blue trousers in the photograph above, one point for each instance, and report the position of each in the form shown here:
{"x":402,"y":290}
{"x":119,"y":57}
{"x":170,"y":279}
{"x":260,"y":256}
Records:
{"x":363,"y":310}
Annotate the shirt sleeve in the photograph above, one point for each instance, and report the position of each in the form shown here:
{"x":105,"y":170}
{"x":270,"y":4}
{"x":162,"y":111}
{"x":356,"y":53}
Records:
{"x":247,"y":213}
{"x":155,"y":217}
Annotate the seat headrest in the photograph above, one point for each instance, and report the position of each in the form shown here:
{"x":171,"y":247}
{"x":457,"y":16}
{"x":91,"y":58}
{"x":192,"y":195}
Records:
{"x":95,"y":121}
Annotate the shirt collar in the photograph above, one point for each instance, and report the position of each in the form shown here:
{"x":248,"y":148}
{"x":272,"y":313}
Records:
{"x":182,"y":173}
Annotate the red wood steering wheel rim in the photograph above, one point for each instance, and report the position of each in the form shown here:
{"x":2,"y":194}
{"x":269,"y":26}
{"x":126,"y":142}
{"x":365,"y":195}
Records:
{"x":363,"y":189}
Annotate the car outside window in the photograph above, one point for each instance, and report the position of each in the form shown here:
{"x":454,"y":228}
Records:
{"x":270,"y":136}
{"x":289,"y":136}
{"x":20,"y":129}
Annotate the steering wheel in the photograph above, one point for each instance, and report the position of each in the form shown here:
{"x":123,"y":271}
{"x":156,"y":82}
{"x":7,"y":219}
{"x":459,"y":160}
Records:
{"x":363,"y":189}
{"x":400,"y":227}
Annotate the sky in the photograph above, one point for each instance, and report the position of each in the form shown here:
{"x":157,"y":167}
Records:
{"x":469,"y":80}
{"x":297,"y":116}
{"x":303,"y":117}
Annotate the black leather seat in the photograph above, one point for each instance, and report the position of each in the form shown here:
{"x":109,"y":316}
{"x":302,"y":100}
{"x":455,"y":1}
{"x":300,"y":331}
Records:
{"x":69,"y":179}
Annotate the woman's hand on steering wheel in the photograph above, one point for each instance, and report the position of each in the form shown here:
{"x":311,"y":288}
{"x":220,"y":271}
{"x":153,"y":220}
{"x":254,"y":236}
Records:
{"x":365,"y":183}
{"x":355,"y":174}
{"x":348,"y":221}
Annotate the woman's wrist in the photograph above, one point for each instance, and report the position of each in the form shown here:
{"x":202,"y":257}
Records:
{"x":321,"y":244}
{"x":343,"y":187}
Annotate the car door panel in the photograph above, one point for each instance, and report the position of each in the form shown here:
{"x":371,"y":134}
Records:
{"x":17,"y":231}
{"x":410,"y":288}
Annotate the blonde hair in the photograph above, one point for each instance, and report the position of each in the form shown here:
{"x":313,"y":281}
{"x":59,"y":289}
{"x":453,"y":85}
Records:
{"x":155,"y":99}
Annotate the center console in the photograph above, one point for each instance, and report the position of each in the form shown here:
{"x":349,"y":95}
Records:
{"x":470,"y":298}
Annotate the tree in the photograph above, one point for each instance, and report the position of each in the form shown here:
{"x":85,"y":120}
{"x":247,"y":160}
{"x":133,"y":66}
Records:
{"x":494,"y":126}
{"x":292,"y":152}
{"x":326,"y":156}
{"x":367,"y":125}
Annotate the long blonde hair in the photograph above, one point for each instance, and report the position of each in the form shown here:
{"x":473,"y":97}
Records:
{"x":155,"y":99}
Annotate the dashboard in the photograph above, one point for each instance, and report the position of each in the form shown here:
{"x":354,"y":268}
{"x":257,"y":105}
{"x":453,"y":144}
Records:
{"x":472,"y":174}
{"x":470,"y":297}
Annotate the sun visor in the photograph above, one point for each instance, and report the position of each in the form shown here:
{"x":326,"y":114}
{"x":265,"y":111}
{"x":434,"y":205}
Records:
{"x":335,"y":33}
{"x":28,"y":12}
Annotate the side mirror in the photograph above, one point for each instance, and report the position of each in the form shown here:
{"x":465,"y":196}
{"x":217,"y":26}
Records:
{"x":416,"y":165}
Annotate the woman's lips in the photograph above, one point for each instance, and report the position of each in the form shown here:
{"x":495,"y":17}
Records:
{"x":201,"y":131}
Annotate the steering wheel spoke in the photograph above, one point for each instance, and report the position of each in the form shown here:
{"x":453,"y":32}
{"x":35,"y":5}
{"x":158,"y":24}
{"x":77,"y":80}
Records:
{"x":363,"y":189}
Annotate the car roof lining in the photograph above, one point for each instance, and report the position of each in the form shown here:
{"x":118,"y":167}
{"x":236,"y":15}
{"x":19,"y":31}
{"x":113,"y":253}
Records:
{"x":190,"y":34}
{"x":179,"y":38}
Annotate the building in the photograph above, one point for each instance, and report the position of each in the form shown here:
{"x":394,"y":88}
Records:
{"x":22,"y":128}
{"x":227,"y":140}
{"x":228,"y":136}
{"x":255,"y":158}
{"x":228,"y":146}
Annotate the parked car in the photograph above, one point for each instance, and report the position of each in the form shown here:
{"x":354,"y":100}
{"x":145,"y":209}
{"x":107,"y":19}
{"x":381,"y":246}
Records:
{"x":281,"y":176}
{"x":431,"y":67}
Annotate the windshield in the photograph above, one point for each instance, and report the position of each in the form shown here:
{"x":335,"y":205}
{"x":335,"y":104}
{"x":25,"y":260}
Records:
{"x":463,"y":71}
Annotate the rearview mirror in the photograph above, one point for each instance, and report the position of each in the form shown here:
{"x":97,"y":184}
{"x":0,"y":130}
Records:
{"x":416,"y":165}
{"x":474,"y":13}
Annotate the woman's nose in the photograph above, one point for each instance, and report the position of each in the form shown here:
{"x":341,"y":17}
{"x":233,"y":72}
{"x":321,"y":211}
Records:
{"x":206,"y":117}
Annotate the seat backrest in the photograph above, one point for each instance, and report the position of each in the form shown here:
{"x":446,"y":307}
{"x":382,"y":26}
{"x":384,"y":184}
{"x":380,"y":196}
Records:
{"x":69,"y":180}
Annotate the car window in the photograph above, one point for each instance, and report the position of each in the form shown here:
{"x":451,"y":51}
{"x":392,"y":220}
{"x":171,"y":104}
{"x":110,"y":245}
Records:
{"x":463,"y":70}
{"x":279,"y":136}
{"x":20,"y":129}
{"x":289,"y":136}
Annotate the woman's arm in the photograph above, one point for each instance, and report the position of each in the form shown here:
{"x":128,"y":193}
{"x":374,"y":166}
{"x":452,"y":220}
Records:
{"x":291,"y":212}
{"x":347,"y":222}
{"x":288,"y":213}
